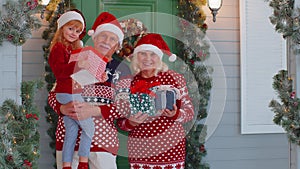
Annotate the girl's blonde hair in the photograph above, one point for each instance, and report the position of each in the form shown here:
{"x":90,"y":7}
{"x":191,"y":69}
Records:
{"x":58,"y":36}
{"x":162,"y":67}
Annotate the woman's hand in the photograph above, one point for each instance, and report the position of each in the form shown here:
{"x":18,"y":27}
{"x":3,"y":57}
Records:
{"x":169,"y":113}
{"x":80,"y":110}
{"x":137,"y":119}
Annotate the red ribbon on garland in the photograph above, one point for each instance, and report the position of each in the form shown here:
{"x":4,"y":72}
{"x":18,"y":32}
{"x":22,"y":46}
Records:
{"x":32,"y":116}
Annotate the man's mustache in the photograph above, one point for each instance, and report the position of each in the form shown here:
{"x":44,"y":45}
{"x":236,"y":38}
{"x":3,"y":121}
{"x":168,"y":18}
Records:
{"x":105,"y":46}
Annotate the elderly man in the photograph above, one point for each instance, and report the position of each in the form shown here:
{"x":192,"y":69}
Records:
{"x":107,"y":36}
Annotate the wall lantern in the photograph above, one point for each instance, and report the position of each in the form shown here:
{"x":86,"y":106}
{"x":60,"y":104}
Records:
{"x":44,"y":3}
{"x":214,"y":6}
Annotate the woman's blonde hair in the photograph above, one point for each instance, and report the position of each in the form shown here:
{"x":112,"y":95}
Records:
{"x":58,"y":36}
{"x":162,"y":67}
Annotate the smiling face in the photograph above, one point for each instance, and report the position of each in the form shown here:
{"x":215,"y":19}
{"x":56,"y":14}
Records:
{"x":106,"y":43}
{"x":71,"y":31}
{"x":148,"y":62}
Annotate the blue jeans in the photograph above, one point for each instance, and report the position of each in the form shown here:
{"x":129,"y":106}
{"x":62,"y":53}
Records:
{"x":72,"y":127}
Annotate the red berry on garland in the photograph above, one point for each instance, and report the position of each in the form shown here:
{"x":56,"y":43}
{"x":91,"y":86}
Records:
{"x":293,"y":94}
{"x":9,"y":158}
{"x":10,"y":37}
{"x":204,"y":26}
{"x":27,"y":163}
{"x":202,"y":148}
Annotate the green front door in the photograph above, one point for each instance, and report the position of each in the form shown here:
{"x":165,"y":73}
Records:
{"x":156,"y":15}
{"x":153,"y":13}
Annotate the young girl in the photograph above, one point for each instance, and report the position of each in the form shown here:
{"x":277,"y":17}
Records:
{"x":70,"y":29}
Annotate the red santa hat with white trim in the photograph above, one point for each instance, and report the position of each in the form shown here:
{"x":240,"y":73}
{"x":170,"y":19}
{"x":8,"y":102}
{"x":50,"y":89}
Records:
{"x":107,"y":22}
{"x":155,"y":43}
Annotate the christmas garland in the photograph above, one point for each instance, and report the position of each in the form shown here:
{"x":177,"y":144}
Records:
{"x":19,"y":135}
{"x":132,"y":28}
{"x":18,"y":21}
{"x":194,"y":50}
{"x":286,"y":21}
{"x":287,"y":110}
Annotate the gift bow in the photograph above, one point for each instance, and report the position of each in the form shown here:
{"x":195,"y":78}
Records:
{"x":143,"y":86}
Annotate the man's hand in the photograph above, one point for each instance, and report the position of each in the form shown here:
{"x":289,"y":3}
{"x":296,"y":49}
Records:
{"x":80,"y":110}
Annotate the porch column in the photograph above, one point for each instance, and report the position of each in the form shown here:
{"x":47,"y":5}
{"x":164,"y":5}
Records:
{"x":10,"y":69}
{"x":294,"y":72}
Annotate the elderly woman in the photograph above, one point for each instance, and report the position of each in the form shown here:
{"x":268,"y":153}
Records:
{"x":156,"y":135}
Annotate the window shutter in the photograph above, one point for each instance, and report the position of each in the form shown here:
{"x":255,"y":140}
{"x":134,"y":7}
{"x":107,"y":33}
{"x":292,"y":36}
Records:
{"x":263,"y":54}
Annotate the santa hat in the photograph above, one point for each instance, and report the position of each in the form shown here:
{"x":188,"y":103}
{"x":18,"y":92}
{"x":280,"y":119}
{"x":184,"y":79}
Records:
{"x":107,"y":22}
{"x":69,"y":16}
{"x":156,"y":44}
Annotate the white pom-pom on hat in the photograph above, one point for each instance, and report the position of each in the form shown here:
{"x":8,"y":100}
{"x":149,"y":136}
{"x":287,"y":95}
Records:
{"x":172,"y":58}
{"x":91,"y":32}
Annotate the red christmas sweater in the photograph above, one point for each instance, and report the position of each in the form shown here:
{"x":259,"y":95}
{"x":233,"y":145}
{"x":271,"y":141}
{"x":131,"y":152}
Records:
{"x":62,"y":70}
{"x":160,"y":141}
{"x":105,"y":138}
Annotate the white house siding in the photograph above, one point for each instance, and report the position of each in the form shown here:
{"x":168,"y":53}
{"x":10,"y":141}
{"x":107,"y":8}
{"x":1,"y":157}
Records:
{"x":33,"y":68}
{"x":227,"y":148}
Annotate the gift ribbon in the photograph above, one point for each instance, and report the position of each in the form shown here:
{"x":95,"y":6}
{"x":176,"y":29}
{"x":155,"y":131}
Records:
{"x":143,"y":86}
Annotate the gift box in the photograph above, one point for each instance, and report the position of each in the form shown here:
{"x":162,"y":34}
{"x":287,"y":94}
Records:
{"x":142,"y":102}
{"x":145,"y":103}
{"x":165,"y":99}
{"x":97,"y":65}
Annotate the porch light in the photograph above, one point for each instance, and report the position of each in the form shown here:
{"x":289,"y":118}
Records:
{"x":44,"y":3}
{"x":214,"y":6}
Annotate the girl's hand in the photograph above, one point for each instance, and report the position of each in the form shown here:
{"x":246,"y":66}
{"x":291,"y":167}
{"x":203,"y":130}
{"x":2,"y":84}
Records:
{"x":104,"y":77}
{"x":83,"y":63}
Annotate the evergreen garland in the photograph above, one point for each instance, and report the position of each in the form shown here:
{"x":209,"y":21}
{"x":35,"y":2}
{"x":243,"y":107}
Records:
{"x":18,"y":20}
{"x":48,"y":34}
{"x":19,"y":138}
{"x":286,"y":21}
{"x":193,"y":50}
{"x":287,"y":109}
